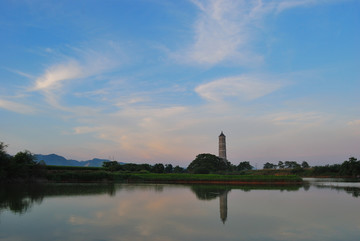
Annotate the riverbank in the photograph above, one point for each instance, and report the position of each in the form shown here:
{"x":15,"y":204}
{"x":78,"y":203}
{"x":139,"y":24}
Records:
{"x":181,"y":178}
{"x":67,"y":174}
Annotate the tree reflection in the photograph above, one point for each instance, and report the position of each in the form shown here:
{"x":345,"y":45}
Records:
{"x":209,"y":192}
{"x":353,"y":191}
{"x":20,"y":198}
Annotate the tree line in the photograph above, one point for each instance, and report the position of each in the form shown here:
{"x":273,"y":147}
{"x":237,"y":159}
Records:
{"x":21,"y":166}
{"x":132,"y":167}
{"x":286,"y":165}
{"x":208,"y":163}
{"x":349,"y":168}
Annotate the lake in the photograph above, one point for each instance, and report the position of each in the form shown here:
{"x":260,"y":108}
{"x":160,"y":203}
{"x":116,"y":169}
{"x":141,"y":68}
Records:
{"x":322,"y":209}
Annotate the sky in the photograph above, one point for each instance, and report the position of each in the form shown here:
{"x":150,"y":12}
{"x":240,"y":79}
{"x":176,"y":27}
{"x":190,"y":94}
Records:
{"x":149,"y":81}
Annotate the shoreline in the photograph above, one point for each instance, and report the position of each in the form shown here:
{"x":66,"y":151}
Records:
{"x":135,"y":181}
{"x":232,"y":182}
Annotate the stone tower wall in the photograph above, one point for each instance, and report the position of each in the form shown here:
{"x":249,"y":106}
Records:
{"x":222,"y":146}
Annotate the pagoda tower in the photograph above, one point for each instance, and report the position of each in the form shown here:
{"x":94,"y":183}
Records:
{"x":222,"y":146}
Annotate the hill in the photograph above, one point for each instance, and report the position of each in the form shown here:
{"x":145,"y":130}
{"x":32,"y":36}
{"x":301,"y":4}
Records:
{"x":56,"y":160}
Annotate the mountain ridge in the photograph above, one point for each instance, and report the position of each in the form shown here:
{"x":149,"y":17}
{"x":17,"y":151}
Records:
{"x":57,"y":160}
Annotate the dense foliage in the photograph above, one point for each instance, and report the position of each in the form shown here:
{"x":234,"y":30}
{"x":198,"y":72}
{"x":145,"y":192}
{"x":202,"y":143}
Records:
{"x":114,"y":166}
{"x":19,"y":167}
{"x":208,"y":163}
{"x":244,"y":166}
{"x":286,"y":165}
{"x":350,"y":168}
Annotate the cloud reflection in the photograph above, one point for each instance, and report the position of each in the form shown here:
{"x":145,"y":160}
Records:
{"x":176,"y":212}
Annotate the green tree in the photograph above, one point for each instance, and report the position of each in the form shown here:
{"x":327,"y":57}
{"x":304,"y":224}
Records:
{"x":131,"y":167}
{"x":4,"y":161}
{"x":269,"y":165}
{"x":3,"y":154}
{"x":169,"y":168}
{"x":158,"y":168}
{"x":350,"y":167}
{"x":292,"y":164}
{"x":112,"y":166}
{"x":22,"y":165}
{"x":206,"y":163}
{"x":25,"y":158}
{"x":327,"y":169}
{"x":178,"y":169}
{"x":281,"y":164}
{"x":304,"y":164}
{"x":145,"y":167}
{"x":244,"y":166}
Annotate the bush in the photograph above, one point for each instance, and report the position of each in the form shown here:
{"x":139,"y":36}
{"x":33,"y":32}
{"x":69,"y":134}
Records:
{"x":201,"y":170}
{"x":209,"y":162}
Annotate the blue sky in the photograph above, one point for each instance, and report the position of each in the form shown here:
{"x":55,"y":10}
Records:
{"x":157,"y":81}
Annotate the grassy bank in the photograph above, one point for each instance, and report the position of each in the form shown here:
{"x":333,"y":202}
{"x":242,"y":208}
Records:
{"x":77,"y":174}
{"x":213,"y":177}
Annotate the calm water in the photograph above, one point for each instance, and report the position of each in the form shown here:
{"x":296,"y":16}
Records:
{"x":320,"y":210}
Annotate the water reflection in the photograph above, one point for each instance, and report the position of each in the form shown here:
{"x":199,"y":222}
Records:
{"x":178,"y":212}
{"x":210,"y":192}
{"x":350,"y":186}
{"x":223,"y":206}
{"x":20,"y":198}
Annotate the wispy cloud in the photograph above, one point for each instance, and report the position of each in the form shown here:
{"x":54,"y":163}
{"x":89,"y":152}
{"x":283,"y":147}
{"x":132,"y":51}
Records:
{"x":83,"y":66}
{"x":16,"y":107}
{"x":29,"y":76}
{"x":292,"y":118}
{"x":220,"y":32}
{"x":57,"y":74}
{"x":287,"y":4}
{"x":242,"y":87}
{"x":226,"y":30}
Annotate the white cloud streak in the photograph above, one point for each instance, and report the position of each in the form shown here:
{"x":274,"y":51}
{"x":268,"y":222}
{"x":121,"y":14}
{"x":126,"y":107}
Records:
{"x":88,"y":63}
{"x":57,"y":74}
{"x":16,"y":107}
{"x":287,"y":4}
{"x":29,"y":76}
{"x":297,"y":118}
{"x":241,"y":87}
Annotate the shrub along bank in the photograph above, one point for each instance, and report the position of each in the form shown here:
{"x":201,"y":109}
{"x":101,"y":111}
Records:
{"x":101,"y":175}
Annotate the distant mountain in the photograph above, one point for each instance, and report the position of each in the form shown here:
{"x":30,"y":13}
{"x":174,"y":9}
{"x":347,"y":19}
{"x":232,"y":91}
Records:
{"x":96,"y":162}
{"x":57,"y":160}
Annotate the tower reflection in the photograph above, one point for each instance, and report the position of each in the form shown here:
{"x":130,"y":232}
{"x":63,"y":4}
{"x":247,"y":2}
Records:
{"x":210,"y":192}
{"x":223,"y":206}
